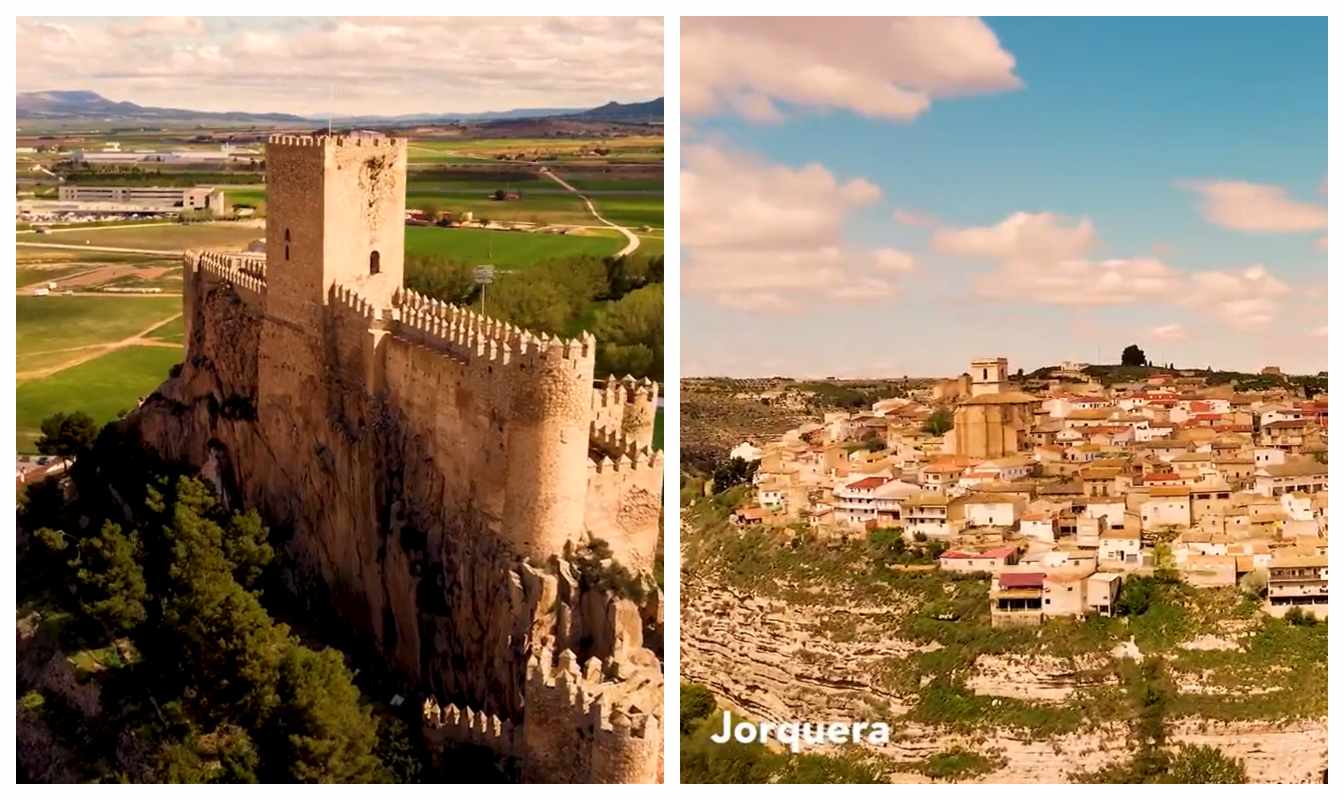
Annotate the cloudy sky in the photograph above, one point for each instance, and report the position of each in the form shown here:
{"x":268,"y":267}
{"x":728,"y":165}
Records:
{"x":360,"y":65}
{"x":898,"y":197}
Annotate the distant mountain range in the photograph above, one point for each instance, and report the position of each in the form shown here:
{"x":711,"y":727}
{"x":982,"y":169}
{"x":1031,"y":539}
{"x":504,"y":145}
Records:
{"x":72,"y":106}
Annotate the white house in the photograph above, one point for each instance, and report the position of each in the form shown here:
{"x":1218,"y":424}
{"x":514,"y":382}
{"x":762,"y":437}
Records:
{"x":993,"y":510}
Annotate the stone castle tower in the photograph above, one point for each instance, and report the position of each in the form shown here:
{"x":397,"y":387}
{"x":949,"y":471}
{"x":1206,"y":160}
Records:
{"x":436,"y":466}
{"x":335,"y":214}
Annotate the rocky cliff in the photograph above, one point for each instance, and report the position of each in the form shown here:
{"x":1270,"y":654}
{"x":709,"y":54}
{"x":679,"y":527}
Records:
{"x":772,"y":660}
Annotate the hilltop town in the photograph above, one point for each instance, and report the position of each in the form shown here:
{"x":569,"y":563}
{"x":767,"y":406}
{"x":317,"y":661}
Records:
{"x":1010,"y":565}
{"x":1063,"y":489}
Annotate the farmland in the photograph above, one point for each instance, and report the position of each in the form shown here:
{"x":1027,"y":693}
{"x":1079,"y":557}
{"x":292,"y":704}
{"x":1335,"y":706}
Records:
{"x":101,"y":388}
{"x":52,"y":331}
{"x":101,"y":352}
{"x":507,"y":248}
{"x":224,"y":235}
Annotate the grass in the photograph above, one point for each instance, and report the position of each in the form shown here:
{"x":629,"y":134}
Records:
{"x":101,"y":388}
{"x":631,"y":210}
{"x":504,"y":248}
{"x":27,"y":276}
{"x":226,"y":235}
{"x":956,"y":764}
{"x":32,"y":256}
{"x":543,"y":201}
{"x":173,"y":331}
{"x":45,"y":324}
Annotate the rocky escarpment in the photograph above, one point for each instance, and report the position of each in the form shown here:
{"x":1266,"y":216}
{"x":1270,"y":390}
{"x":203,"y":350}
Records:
{"x":372,"y":536}
{"x":773,"y":661}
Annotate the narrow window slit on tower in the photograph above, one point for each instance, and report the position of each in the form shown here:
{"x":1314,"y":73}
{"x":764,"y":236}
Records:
{"x":286,"y":244}
{"x":373,"y":263}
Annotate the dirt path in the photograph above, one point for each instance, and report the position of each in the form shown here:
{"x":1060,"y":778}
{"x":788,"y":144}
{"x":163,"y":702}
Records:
{"x":98,"y":249}
{"x":63,"y":229}
{"x":631,"y":240}
{"x":90,"y":352}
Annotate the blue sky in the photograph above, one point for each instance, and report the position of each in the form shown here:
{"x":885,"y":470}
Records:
{"x":1138,"y":126}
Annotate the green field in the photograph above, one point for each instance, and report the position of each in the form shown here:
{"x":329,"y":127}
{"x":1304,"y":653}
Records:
{"x":173,"y":331}
{"x":47,"y":324}
{"x":637,"y":148}
{"x":602,"y":182}
{"x":27,"y":276}
{"x":163,"y":237}
{"x":631,"y":209}
{"x":635,"y":202}
{"x":505,"y":248}
{"x":100,"y":388}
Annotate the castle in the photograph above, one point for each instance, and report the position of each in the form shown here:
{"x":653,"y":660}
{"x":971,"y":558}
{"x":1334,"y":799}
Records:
{"x":436,"y":467}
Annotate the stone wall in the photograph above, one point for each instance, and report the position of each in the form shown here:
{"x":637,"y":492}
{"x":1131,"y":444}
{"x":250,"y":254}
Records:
{"x":597,"y":724}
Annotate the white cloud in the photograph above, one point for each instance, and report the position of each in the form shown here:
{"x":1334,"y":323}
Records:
{"x":1020,"y":236}
{"x":1172,"y":332}
{"x":887,"y":259}
{"x":915,"y":218}
{"x":769,"y":237}
{"x":1044,"y":258}
{"x":889,"y":67}
{"x":1247,"y":298}
{"x":1257,"y":207}
{"x":395,"y":65}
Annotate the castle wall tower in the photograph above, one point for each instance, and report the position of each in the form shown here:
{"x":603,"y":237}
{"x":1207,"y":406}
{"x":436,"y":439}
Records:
{"x":988,"y":375}
{"x":336,"y":213}
{"x":548,"y":428}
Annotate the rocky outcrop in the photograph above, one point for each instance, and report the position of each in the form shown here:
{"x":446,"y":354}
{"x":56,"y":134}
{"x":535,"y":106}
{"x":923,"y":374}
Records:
{"x":1274,"y":752}
{"x":765,"y":659}
{"x":1037,"y":677}
{"x":773,"y":661}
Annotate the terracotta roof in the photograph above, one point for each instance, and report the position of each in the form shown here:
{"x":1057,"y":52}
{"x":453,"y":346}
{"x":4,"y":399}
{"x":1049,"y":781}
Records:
{"x":1021,"y":580}
{"x":1169,"y":491}
{"x":868,"y":483}
{"x":1297,"y":468}
{"x":1298,"y":560}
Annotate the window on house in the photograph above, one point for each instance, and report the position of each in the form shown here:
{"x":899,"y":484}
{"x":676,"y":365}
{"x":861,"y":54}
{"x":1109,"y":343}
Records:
{"x":373,"y":263}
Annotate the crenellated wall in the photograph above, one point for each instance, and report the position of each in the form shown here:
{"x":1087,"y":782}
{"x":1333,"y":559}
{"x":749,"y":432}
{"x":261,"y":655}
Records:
{"x":627,"y":406}
{"x":598,"y":724}
{"x":624,"y":500}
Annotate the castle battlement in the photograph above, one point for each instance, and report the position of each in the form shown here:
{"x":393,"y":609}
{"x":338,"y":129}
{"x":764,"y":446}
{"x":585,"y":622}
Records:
{"x":451,"y":725}
{"x":617,"y":447}
{"x":348,"y":302}
{"x":625,"y":391}
{"x":246,"y":273}
{"x":468,"y":336}
{"x":416,"y":306}
{"x":626,"y":406}
{"x":322,"y":140}
{"x":579,"y":725}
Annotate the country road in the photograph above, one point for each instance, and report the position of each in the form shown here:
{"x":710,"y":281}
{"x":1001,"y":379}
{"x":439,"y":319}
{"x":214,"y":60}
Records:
{"x":99,"y":249}
{"x":631,"y":240}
